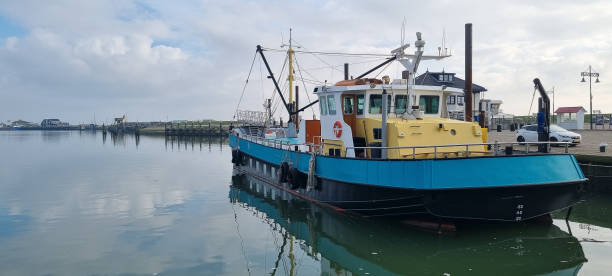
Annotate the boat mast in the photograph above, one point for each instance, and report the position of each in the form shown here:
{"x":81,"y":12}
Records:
{"x":290,"y":78}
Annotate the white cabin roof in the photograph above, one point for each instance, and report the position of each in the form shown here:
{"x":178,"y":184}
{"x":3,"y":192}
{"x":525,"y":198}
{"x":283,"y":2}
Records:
{"x":334,"y":88}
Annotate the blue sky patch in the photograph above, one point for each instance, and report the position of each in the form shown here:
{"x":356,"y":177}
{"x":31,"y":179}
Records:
{"x":9,"y":28}
{"x":138,"y":11}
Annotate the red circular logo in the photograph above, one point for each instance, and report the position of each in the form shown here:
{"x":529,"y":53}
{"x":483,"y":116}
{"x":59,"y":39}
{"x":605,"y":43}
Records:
{"x":338,"y":129}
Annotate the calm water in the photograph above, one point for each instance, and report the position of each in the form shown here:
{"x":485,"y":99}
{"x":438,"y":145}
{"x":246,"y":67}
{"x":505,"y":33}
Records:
{"x":80,"y":204}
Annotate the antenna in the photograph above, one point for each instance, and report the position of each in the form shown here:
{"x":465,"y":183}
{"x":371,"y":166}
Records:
{"x":403,"y":34}
{"x":444,"y":40}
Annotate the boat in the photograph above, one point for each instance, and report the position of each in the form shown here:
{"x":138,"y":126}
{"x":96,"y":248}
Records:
{"x":383,"y":148}
{"x":356,"y":246}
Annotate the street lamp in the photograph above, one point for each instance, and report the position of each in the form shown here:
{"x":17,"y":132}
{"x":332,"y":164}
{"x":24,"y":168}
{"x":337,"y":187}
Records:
{"x":553,"y":103}
{"x":590,"y":74}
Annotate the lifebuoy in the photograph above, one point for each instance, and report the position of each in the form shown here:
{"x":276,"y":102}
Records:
{"x":337,"y":129}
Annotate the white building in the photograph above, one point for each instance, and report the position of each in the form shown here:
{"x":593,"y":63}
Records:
{"x":455,"y":105}
{"x":571,"y":117}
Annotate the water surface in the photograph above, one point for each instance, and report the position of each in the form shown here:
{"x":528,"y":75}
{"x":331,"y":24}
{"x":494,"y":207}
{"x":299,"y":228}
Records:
{"x":80,"y":203}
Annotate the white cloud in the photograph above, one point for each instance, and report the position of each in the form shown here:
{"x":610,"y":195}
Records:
{"x":190,"y":59}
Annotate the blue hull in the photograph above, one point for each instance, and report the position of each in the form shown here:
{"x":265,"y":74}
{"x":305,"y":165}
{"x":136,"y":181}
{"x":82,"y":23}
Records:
{"x":509,"y":188}
{"x":348,"y":242}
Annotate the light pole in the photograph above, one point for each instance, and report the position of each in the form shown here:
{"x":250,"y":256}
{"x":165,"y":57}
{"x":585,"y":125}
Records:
{"x":590,"y":74}
{"x":553,"y":103}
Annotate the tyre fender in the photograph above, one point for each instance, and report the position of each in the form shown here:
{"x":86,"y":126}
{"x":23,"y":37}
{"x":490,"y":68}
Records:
{"x":284,"y":172}
{"x":294,"y":178}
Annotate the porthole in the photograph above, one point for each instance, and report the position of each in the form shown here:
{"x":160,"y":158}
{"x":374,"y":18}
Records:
{"x":453,"y":132}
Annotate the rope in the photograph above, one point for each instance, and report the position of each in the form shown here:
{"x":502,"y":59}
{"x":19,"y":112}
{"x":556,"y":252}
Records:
{"x":245,"y":84}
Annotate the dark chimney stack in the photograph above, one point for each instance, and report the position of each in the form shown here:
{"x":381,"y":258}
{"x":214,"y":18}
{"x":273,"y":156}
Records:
{"x":346,"y":72}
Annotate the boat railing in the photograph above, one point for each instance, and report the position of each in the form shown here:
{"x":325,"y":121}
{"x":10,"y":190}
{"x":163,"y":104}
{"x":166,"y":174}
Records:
{"x":275,"y":143}
{"x":435,"y":152}
{"x":467,"y":150}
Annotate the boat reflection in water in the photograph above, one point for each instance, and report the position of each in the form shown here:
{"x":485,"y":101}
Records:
{"x":348,"y":245}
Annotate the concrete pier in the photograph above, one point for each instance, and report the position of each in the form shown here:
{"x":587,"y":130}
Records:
{"x":195,"y":129}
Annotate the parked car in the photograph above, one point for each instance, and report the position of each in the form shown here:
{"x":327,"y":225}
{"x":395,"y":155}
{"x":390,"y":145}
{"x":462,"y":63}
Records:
{"x":529,"y":133}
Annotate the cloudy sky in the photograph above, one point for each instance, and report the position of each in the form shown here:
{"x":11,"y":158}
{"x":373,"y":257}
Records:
{"x":189,"y":59}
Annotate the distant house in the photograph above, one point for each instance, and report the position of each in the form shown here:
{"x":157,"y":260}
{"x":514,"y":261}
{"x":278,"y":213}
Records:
{"x":53,"y":123}
{"x":22,"y":123}
{"x":455,"y":101}
{"x":571,"y":117}
{"x":120,"y":120}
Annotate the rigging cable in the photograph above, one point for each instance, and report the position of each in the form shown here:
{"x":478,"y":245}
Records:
{"x":278,"y":102}
{"x":329,"y":53}
{"x":279,"y":77}
{"x":531,"y":105}
{"x":385,"y":68}
{"x":280,"y":255}
{"x":304,"y":84}
{"x":261,"y":81}
{"x":340,"y":65}
{"x":245,"y":84}
{"x":241,"y":240}
{"x":320,"y":59}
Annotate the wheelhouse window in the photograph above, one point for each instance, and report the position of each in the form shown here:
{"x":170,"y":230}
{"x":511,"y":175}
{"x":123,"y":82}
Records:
{"x":360,"y":104}
{"x":349,"y":105}
{"x":376,"y":104}
{"x":429,"y":104}
{"x":331,"y":105}
{"x":451,"y":99}
{"x":323,"y":105}
{"x":401,"y":101}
